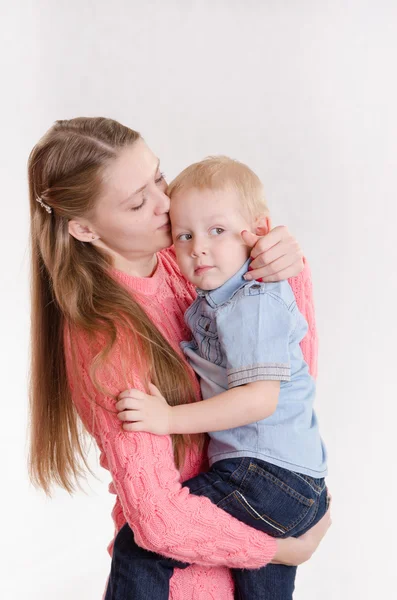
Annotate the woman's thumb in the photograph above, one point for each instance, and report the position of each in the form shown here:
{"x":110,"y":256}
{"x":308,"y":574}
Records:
{"x":249,"y":238}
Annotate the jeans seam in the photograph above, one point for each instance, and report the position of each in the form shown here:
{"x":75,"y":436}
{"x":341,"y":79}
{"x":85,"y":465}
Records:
{"x":235,"y":475}
{"x":314,"y":515}
{"x":282,"y":528}
{"x":287,"y":489}
{"x":234,"y":496}
{"x":314,"y":487}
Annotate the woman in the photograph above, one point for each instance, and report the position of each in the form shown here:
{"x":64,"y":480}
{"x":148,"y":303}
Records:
{"x":107,"y":312}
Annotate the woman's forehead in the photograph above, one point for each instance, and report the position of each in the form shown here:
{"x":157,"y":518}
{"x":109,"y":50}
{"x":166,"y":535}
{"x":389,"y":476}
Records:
{"x":133,"y":168}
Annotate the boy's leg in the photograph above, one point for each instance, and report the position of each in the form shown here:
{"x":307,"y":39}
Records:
{"x":281,"y":490}
{"x":274,"y":582}
{"x":136,"y":573}
{"x":139,"y":574}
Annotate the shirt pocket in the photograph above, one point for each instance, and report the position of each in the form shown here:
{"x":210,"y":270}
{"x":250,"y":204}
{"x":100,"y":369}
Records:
{"x":207,"y":326}
{"x":209,"y":345}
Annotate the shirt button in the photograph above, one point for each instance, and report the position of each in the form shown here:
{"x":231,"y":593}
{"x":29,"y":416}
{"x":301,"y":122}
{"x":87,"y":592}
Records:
{"x":256,"y":286}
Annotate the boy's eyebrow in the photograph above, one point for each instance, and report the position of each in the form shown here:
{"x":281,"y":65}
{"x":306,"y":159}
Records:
{"x":212,"y":218}
{"x":142,"y":187}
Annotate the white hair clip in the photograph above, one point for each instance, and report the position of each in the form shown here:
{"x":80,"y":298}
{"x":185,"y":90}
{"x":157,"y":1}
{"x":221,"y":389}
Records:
{"x":47,"y":208}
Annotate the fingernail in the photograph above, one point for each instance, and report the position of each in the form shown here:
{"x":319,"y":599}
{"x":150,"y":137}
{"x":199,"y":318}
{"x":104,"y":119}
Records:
{"x":249,"y":268}
{"x":247,"y":277}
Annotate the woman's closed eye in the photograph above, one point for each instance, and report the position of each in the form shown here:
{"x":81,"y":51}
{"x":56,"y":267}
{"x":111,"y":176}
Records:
{"x":160,"y":178}
{"x":140,"y":205}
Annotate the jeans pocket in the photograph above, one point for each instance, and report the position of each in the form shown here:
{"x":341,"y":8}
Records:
{"x":317,"y":485}
{"x":271,"y":499}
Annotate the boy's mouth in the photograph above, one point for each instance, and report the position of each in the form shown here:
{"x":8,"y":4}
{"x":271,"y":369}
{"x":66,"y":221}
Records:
{"x":202,"y":269}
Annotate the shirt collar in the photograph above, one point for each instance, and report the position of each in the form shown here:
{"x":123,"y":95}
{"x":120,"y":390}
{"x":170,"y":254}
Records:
{"x":225,"y":291}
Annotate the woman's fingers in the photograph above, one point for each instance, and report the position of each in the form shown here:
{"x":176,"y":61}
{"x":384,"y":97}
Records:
{"x":278,"y":235}
{"x":291,"y":250}
{"x":278,"y":272}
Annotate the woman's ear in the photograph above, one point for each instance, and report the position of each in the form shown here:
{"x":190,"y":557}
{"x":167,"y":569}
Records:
{"x":81,"y":232}
{"x":262,"y":224}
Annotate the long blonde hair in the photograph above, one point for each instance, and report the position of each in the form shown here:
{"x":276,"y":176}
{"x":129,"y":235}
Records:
{"x":72,"y":286}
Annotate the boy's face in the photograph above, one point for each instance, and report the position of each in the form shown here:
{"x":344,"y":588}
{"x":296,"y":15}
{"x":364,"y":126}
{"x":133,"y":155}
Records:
{"x":206,"y":227}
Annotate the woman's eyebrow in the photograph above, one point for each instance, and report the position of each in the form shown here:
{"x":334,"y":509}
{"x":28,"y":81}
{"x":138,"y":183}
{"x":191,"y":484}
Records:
{"x":143,"y":186}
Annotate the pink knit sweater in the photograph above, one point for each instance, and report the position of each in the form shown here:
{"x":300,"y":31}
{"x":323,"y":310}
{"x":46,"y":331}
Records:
{"x":164,"y":516}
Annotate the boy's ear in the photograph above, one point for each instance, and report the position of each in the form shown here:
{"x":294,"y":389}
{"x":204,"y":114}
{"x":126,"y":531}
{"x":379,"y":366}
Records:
{"x":262,"y":224}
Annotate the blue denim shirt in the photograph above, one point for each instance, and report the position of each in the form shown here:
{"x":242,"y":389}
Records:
{"x":250,"y":331}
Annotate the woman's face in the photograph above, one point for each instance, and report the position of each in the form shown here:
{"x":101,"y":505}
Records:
{"x":131,"y":216}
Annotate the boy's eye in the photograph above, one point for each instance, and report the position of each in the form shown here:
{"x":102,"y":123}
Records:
{"x":216,"y":231}
{"x":184,"y":237}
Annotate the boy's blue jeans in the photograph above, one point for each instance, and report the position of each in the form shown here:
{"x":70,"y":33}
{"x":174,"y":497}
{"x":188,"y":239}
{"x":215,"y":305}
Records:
{"x":269,"y":498}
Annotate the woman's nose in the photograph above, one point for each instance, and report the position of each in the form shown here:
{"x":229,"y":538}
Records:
{"x":162,"y":202}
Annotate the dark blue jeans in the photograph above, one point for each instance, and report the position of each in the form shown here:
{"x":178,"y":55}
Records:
{"x":269,"y":498}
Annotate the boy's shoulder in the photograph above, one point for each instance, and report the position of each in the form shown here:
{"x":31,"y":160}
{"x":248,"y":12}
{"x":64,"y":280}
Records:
{"x":280,"y":291}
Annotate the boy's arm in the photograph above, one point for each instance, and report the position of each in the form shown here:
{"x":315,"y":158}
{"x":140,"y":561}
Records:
{"x":233,"y":408}
{"x":254,"y":334}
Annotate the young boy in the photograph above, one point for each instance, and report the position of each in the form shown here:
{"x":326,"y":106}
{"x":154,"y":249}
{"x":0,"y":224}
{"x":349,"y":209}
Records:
{"x":267,"y":459}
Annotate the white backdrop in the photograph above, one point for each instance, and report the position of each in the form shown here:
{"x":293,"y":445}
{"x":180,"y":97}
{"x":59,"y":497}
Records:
{"x":305,"y":93}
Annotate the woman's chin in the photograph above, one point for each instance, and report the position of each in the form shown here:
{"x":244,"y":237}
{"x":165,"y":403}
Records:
{"x":165,"y":241}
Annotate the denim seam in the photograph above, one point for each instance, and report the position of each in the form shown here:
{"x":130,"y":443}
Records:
{"x":317,"y":489}
{"x":291,"y":525}
{"x":236,"y":473}
{"x":314,"y":515}
{"x":306,"y":501}
{"x":281,"y":528}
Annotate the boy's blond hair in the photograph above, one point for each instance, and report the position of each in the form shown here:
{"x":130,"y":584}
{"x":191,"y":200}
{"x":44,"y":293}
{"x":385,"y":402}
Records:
{"x":220,"y":173}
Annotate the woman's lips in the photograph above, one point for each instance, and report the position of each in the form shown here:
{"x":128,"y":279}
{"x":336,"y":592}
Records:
{"x":165,"y":226}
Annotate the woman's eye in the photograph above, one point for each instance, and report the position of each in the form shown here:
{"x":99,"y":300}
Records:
{"x":216,"y":231}
{"x":140,"y":206}
{"x":160,"y":178}
{"x":184,"y":237}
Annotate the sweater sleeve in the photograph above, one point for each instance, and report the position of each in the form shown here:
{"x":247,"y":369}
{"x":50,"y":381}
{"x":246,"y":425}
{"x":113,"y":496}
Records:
{"x":303,"y":291}
{"x":164,"y":516}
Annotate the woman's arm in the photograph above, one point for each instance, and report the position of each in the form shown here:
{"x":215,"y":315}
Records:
{"x":295,"y":551}
{"x":165,"y":517}
{"x":303,"y":292}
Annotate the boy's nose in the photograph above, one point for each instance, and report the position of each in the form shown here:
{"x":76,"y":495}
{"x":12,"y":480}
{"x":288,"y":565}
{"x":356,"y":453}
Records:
{"x":198,"y":251}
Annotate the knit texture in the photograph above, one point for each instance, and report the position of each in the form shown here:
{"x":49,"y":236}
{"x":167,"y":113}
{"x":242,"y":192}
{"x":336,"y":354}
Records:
{"x":164,"y":516}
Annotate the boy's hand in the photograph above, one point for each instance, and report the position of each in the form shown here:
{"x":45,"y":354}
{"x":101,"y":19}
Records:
{"x":275,"y":256}
{"x":144,"y":412}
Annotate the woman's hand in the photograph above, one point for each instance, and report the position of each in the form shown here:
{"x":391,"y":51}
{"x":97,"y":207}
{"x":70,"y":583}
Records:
{"x":275,"y":256}
{"x":144,"y":412}
{"x":295,"y":551}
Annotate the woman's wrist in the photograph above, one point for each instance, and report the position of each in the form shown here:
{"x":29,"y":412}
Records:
{"x":292,"y":551}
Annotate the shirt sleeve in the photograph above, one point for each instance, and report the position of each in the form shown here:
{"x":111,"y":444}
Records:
{"x":254,"y":333}
{"x":165,"y":517}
